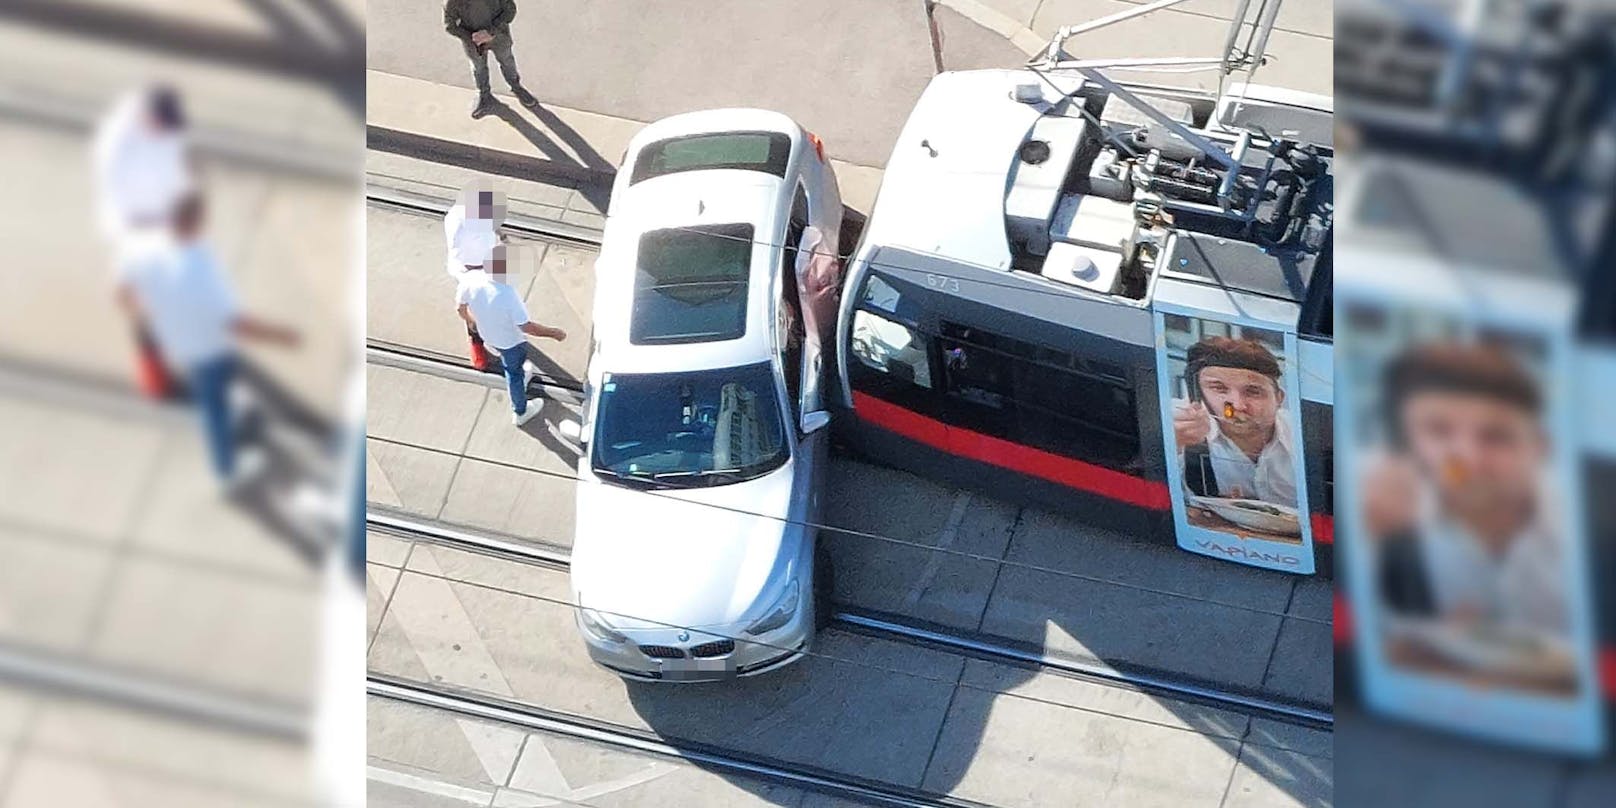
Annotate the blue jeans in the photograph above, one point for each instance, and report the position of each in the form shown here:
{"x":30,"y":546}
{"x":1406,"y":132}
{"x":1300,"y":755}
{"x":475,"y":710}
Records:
{"x":512,"y":359}
{"x":210,"y":385}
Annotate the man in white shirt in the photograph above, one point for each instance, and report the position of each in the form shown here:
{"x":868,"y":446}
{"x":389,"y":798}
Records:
{"x":1461,"y":516}
{"x":174,"y":284}
{"x":143,"y":169}
{"x":470,"y":233}
{"x":486,"y":301}
{"x":143,"y":162}
{"x":1234,"y":434}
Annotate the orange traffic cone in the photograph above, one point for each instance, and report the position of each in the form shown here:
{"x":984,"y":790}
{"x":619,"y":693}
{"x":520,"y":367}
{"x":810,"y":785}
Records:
{"x":151,"y":374}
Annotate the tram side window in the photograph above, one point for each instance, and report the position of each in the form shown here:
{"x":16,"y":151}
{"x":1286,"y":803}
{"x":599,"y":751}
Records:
{"x":890,"y":348}
{"x":1039,"y":396}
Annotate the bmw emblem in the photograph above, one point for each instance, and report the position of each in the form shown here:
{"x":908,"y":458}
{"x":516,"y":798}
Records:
{"x":684,"y":636}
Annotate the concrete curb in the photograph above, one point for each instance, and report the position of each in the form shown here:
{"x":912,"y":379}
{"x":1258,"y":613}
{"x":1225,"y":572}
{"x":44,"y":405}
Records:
{"x":998,"y":22}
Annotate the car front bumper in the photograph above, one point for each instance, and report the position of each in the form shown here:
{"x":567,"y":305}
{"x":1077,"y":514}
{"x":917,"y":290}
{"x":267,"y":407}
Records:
{"x":751,"y":656}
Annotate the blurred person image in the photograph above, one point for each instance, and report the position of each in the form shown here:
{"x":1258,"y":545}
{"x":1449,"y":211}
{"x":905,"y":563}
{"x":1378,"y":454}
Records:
{"x":1233,"y":432}
{"x":175,"y":286}
{"x":143,"y":169}
{"x":486,"y":301}
{"x":143,"y":163}
{"x":483,"y":26}
{"x":1462,"y":522}
{"x":471,"y":231}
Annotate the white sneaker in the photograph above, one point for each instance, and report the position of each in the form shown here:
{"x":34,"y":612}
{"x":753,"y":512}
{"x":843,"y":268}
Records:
{"x":318,"y":512}
{"x":534,"y":405}
{"x":529,"y":370}
{"x":250,"y":465}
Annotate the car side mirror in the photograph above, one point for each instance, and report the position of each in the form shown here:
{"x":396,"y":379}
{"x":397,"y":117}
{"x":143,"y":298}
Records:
{"x":571,"y":430}
{"x":814,"y":421}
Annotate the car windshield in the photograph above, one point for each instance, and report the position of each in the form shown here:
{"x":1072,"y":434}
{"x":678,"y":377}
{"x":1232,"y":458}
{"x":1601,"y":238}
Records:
{"x":697,"y":428}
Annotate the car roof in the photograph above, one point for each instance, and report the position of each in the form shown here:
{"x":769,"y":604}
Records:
{"x":684,"y":200}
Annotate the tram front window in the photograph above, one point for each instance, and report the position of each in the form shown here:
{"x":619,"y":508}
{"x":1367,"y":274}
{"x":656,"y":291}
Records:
{"x":701,"y":427}
{"x":891,"y":348}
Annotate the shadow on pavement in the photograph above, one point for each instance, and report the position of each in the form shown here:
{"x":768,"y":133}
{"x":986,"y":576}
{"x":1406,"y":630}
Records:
{"x":301,"y":448}
{"x":980,"y":731}
{"x":590,"y":166}
{"x":865,"y":708}
{"x":593,"y":184}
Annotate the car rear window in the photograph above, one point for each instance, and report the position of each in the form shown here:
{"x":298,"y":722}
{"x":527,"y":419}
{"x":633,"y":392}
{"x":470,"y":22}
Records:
{"x":752,"y":151}
{"x":690,"y":284}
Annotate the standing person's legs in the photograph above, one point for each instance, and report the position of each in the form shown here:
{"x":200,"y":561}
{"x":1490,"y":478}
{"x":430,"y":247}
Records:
{"x":501,"y":46}
{"x":514,"y":361}
{"x":210,"y":383}
{"x":515,"y":381}
{"x":479,"y":75}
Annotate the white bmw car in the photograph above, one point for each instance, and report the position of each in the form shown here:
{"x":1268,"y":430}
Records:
{"x":703,"y":429}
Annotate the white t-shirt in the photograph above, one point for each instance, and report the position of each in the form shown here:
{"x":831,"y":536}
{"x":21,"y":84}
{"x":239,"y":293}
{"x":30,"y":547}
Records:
{"x":1524,"y":587}
{"x":142,"y":174}
{"x":495,"y":306}
{"x":187,"y":301}
{"x":1270,"y":478}
{"x":470,"y":242}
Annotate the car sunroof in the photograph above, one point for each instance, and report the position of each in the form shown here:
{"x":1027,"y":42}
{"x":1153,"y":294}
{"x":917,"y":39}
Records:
{"x":690,"y":284}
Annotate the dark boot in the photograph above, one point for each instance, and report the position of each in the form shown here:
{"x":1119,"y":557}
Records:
{"x":525,"y":97}
{"x":485,"y":105}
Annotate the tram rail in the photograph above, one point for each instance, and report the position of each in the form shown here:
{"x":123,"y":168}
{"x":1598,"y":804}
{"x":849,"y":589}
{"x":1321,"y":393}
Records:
{"x":911,"y":632}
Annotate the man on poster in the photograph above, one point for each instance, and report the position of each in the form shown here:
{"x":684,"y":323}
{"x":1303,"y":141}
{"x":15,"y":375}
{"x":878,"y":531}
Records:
{"x":1234,"y":433}
{"x":1457,"y":508}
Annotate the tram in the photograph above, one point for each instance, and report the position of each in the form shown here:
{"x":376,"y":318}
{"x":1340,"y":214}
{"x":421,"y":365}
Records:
{"x":1108,"y":298}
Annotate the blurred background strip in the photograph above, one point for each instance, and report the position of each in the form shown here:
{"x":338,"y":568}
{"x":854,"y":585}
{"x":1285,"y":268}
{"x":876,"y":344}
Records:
{"x":1476,"y":602}
{"x":160,"y":641}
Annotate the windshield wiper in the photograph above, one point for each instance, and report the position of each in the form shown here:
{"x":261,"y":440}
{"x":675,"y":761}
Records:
{"x":710,"y":477}
{"x":637,"y":478}
{"x":695,"y":473}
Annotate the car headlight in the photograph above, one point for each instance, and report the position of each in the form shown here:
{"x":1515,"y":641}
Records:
{"x":779,"y":614}
{"x":596,"y":625}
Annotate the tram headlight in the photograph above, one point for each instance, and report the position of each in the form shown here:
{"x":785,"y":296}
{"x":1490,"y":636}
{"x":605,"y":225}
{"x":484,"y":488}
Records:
{"x":596,"y":625}
{"x":779,"y":614}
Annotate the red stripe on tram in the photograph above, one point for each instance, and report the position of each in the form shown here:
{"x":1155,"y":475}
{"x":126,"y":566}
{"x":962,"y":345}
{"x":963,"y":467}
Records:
{"x":1013,"y":456}
{"x":1323,"y":528}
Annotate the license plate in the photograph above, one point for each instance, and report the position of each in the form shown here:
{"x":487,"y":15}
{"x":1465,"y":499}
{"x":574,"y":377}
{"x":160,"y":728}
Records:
{"x":684,"y":669}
